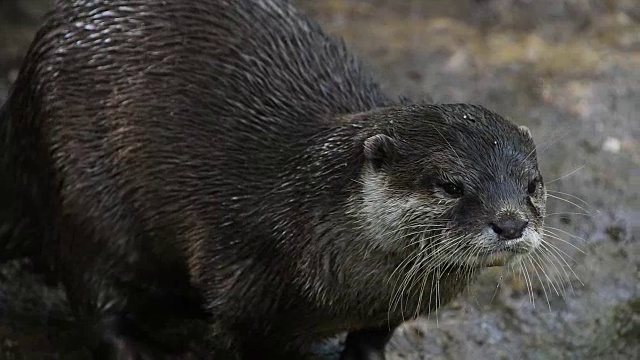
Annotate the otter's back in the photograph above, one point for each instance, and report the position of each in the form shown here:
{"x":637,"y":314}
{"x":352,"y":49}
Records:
{"x":255,"y":60}
{"x":167,"y":108}
{"x":203,"y":74}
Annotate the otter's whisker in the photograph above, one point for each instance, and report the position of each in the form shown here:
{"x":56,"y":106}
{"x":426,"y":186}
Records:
{"x":569,"y":202}
{"x":535,"y":149}
{"x":567,"y":175}
{"x":520,"y":272}
{"x":431,"y":296}
{"x":425,"y":277}
{"x":545,"y":258}
{"x":571,"y":196}
{"x":555,"y":258}
{"x":434,"y":293}
{"x":550,"y":228}
{"x":419,"y":267}
{"x":418,"y":254}
{"x":470,"y":271}
{"x":473,"y":254}
{"x":438,"y":298}
{"x":450,"y":260}
{"x":557,"y":285}
{"x":434,"y":226}
{"x":474,"y":269}
{"x":440,"y":257}
{"x":549,"y":234}
{"x":400,"y":229}
{"x":410,"y":280}
{"x":397,"y":289}
{"x":442,"y":248}
{"x":555,"y":236}
{"x":557,"y":252}
{"x":535,"y":266}
{"x":464,"y":256}
{"x":553,"y":142}
{"x":431,"y":264}
{"x":564,"y":266}
{"x":423,"y":241}
{"x":418,"y":307}
{"x":405,"y":286}
{"x":565,"y":213}
{"x":528,"y":282}
{"x":434,"y":258}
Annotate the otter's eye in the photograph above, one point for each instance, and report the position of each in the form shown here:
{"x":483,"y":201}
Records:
{"x":533,"y":185}
{"x":452,"y":189}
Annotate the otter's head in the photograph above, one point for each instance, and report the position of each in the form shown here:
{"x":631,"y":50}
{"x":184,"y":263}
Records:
{"x":458,"y":182}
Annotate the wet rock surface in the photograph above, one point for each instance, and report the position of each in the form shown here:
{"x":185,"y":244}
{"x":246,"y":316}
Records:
{"x":568,"y":69}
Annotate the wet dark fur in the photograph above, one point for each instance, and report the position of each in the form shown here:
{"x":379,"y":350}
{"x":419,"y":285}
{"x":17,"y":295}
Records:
{"x":167,"y":157}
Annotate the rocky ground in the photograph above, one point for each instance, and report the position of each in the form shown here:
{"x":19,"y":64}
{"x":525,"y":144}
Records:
{"x":568,"y":69}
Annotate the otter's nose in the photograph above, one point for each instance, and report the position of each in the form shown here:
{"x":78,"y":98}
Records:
{"x":510,"y":228}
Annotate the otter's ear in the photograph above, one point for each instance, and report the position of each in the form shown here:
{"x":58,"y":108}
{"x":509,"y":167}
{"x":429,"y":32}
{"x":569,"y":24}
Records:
{"x":380,"y":150}
{"x":525,"y":131}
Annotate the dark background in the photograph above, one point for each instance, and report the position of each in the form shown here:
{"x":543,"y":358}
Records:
{"x":568,"y":69}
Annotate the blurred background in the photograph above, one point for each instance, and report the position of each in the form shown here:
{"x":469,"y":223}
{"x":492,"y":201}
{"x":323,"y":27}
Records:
{"x":568,"y":69}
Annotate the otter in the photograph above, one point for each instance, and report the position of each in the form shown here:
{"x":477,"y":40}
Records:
{"x":228,"y":162}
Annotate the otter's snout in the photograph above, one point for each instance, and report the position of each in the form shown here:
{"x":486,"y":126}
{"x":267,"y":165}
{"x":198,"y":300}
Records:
{"x":509,"y":228}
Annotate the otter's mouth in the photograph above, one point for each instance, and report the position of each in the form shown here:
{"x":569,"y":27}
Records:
{"x":494,"y":258}
{"x":503,"y":253}
{"x":498,"y":258}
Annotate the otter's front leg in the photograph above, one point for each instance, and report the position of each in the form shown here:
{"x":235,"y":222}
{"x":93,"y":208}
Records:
{"x":366,"y":344}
